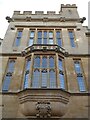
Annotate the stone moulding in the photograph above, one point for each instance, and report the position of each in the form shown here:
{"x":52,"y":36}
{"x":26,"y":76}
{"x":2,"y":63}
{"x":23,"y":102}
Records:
{"x":43,"y":103}
{"x":44,"y":48}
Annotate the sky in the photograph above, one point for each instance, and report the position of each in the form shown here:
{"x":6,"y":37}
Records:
{"x":8,"y":6}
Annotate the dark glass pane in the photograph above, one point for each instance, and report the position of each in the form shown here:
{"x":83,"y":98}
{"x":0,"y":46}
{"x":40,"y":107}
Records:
{"x":57,"y":34}
{"x":32,"y":34}
{"x":61,"y":78}
{"x":81,"y":83}
{"x":71,"y":34}
{"x":50,"y":34}
{"x":28,"y":65}
{"x":44,"y":62}
{"x":59,"y":42}
{"x":52,"y":78}
{"x":45,"y":41}
{"x":26,"y":80}
{"x":51,"y":41}
{"x":39,"y":41}
{"x":60,"y":65}
{"x":44,"y":79}
{"x":17,"y":41}
{"x":30,"y":41}
{"x":19,"y":33}
{"x":36,"y":78}
{"x":72,"y":42}
{"x":51,"y":62}
{"x":6,"y":83}
{"x":11,"y":66}
{"x":45,"y":34}
{"x":77,"y":67}
{"x":37,"y":62}
{"x":40,"y":34}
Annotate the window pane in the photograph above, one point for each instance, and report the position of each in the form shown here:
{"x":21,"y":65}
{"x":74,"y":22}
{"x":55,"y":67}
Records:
{"x":61,"y":78}
{"x":72,"y":42}
{"x":17,"y":41}
{"x":71,"y":34}
{"x":81,"y":83}
{"x":26,"y":80}
{"x":44,"y":62}
{"x":44,"y":79}
{"x":51,"y":62}
{"x":52,"y":77}
{"x":6,"y":83}
{"x":39,"y":41}
{"x":40,"y":34}
{"x":59,"y":42}
{"x":30,"y":41}
{"x":19,"y":33}
{"x":45,"y":34}
{"x":45,"y":41}
{"x":50,"y":34}
{"x":32,"y":34}
{"x":50,"y":41}
{"x":36,"y":77}
{"x":60,"y":65}
{"x":71,"y":38}
{"x":37,"y":62}
{"x":28,"y":65}
{"x":57,"y":34}
{"x":11,"y":66}
{"x":77,"y":67}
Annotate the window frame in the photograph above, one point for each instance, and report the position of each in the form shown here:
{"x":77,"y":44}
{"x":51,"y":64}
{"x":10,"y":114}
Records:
{"x":81,"y":74}
{"x":8,"y":74}
{"x":72,"y":39}
{"x":18,"y":38}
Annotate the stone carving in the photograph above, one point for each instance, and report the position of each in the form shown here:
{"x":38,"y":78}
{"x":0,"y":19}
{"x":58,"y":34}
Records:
{"x":43,"y":109}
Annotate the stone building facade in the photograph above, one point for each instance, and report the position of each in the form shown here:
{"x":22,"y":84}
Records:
{"x":45,"y":65}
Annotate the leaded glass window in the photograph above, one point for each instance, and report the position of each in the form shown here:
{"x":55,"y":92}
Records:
{"x":58,"y":38}
{"x":51,"y":62}
{"x":71,"y":36}
{"x":27,"y":71}
{"x":31,"y":38}
{"x":37,"y":62}
{"x":44,"y":78}
{"x":18,"y":38}
{"x":8,"y":76}
{"x":81,"y":83}
{"x":80,"y":77}
{"x":61,"y":73}
{"x":52,"y":78}
{"x":36,"y":78}
{"x":60,"y":64}
{"x":62,"y":81}
{"x":45,"y":65}
{"x":44,"y":62}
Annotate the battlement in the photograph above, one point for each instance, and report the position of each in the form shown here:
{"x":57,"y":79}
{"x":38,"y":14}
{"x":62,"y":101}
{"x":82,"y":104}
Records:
{"x":36,"y":13}
{"x":68,"y":6}
{"x":42,"y":12}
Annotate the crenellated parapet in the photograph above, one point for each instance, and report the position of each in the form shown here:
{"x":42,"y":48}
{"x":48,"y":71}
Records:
{"x":68,"y":6}
{"x":35,"y":13}
{"x":67,"y":12}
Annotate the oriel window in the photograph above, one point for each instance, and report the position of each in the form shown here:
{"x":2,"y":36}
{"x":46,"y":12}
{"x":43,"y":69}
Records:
{"x":44,"y":72}
{"x":26,"y":75}
{"x":61,"y":73}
